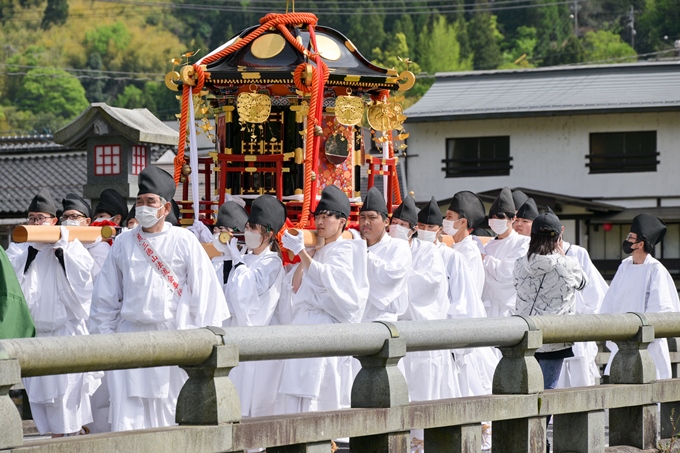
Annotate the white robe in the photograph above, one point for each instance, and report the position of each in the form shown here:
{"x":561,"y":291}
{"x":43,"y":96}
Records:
{"x":59,"y":302}
{"x":389,"y":261}
{"x":581,"y":370}
{"x":643,"y":288}
{"x":133,"y":297}
{"x":473,"y":259}
{"x":333,"y":290}
{"x":430,"y":375}
{"x":252,"y":294}
{"x":99,"y":401}
{"x":474,"y":366}
{"x":499,"y":289}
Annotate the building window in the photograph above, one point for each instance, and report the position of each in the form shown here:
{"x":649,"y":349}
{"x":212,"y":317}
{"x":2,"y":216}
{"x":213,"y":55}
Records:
{"x":477,"y":156}
{"x":622,"y":152}
{"x":107,"y":160}
{"x":138,"y":159}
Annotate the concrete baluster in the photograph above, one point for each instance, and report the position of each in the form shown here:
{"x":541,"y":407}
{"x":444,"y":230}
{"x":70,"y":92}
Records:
{"x":455,"y":439}
{"x":580,"y":432}
{"x":379,"y":384}
{"x":518,"y":372}
{"x":672,"y":409}
{"x":209,"y":397}
{"x":11,"y":432}
{"x":634,"y":426}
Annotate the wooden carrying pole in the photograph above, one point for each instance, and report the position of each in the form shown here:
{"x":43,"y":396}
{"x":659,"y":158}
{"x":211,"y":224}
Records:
{"x":51,"y":234}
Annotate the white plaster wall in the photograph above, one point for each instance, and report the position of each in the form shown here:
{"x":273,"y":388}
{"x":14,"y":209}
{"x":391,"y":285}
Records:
{"x":548,"y":154}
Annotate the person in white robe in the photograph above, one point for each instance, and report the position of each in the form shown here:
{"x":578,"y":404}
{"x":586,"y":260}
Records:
{"x":465,"y":213}
{"x":430,"y":375}
{"x":252,"y":292}
{"x":56,"y":280}
{"x":582,"y":370}
{"x":474,"y":366}
{"x":329,"y":286}
{"x":158,"y":277}
{"x":525,"y":216}
{"x":232,"y":219}
{"x":500,"y":255}
{"x":643,"y":285}
{"x":389,"y":262}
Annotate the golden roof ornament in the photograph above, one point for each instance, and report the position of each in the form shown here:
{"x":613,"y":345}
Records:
{"x":349,"y":110}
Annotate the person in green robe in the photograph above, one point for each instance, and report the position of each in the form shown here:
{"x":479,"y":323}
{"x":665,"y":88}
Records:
{"x":15,"y":319}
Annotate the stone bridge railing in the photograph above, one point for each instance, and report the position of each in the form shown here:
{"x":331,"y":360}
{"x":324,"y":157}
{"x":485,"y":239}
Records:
{"x":208,"y":410}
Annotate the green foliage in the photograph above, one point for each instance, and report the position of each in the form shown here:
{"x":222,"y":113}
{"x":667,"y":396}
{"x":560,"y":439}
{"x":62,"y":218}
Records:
{"x":607,"y":47}
{"x":52,"y":91}
{"x":483,"y":36}
{"x":56,"y":13}
{"x":521,"y":52}
{"x":439,"y":48}
{"x":107,"y":39}
{"x":658,"y":26}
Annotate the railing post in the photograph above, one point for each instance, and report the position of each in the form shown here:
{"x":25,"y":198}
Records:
{"x":634,"y":426}
{"x":455,"y":439}
{"x":518,"y":372}
{"x":379,"y":384}
{"x":11,"y":431}
{"x":209,"y":397}
{"x":671,"y":409}
{"x":579,"y":432}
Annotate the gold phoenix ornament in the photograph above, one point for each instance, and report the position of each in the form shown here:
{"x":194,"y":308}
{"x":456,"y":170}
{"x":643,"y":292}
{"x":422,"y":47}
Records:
{"x":349,"y":110}
{"x":385,"y":116}
{"x":253,"y":107}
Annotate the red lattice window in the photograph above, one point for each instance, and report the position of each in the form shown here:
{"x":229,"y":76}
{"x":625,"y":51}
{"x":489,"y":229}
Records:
{"x":107,"y":160}
{"x":138,"y":159}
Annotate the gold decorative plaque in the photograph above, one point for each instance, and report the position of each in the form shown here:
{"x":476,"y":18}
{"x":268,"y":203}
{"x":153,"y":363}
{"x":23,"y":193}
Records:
{"x":268,"y":46}
{"x":253,"y":107}
{"x":349,"y":110}
{"x":386,"y":117}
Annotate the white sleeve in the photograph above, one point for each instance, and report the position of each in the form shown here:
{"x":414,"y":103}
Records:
{"x":78,"y":279}
{"x":387,"y":277}
{"x":336,"y":283}
{"x":107,"y":297}
{"x":207,"y":305}
{"x":253,"y":292}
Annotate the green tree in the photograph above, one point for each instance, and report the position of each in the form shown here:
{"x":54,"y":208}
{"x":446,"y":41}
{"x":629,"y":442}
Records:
{"x":52,"y":91}
{"x":521,"y":51}
{"x":658,"y":26}
{"x":56,"y":13}
{"x":604,"y":45}
{"x":439,"y":48}
{"x":483,"y":36}
{"x":108,"y":39}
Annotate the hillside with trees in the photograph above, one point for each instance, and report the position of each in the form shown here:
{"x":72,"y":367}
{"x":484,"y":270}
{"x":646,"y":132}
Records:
{"x":60,"y":55}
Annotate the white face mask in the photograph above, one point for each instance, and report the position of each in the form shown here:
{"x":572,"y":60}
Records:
{"x":71,"y":223}
{"x":400,"y":232}
{"x":427,"y":236}
{"x":253,"y":239}
{"x":499,"y":226}
{"x":146,"y":216}
{"x":447,"y":226}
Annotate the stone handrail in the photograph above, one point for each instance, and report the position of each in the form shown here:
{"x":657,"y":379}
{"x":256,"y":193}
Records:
{"x":209,"y":405}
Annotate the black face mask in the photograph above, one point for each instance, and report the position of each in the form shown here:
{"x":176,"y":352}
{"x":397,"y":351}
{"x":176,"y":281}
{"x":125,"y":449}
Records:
{"x":627,"y":247}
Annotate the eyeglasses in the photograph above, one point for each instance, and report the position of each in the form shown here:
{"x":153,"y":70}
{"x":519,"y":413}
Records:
{"x":71,"y":217}
{"x":632,"y":239}
{"x":38,"y":220}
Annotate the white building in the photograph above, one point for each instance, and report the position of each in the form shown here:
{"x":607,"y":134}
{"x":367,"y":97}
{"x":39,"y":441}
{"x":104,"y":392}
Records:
{"x":598,"y":144}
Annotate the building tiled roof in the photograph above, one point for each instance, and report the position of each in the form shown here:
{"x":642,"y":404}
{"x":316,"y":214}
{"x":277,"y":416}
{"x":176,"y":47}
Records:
{"x":29,"y":144}
{"x":23,"y":176}
{"x":550,"y":91}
